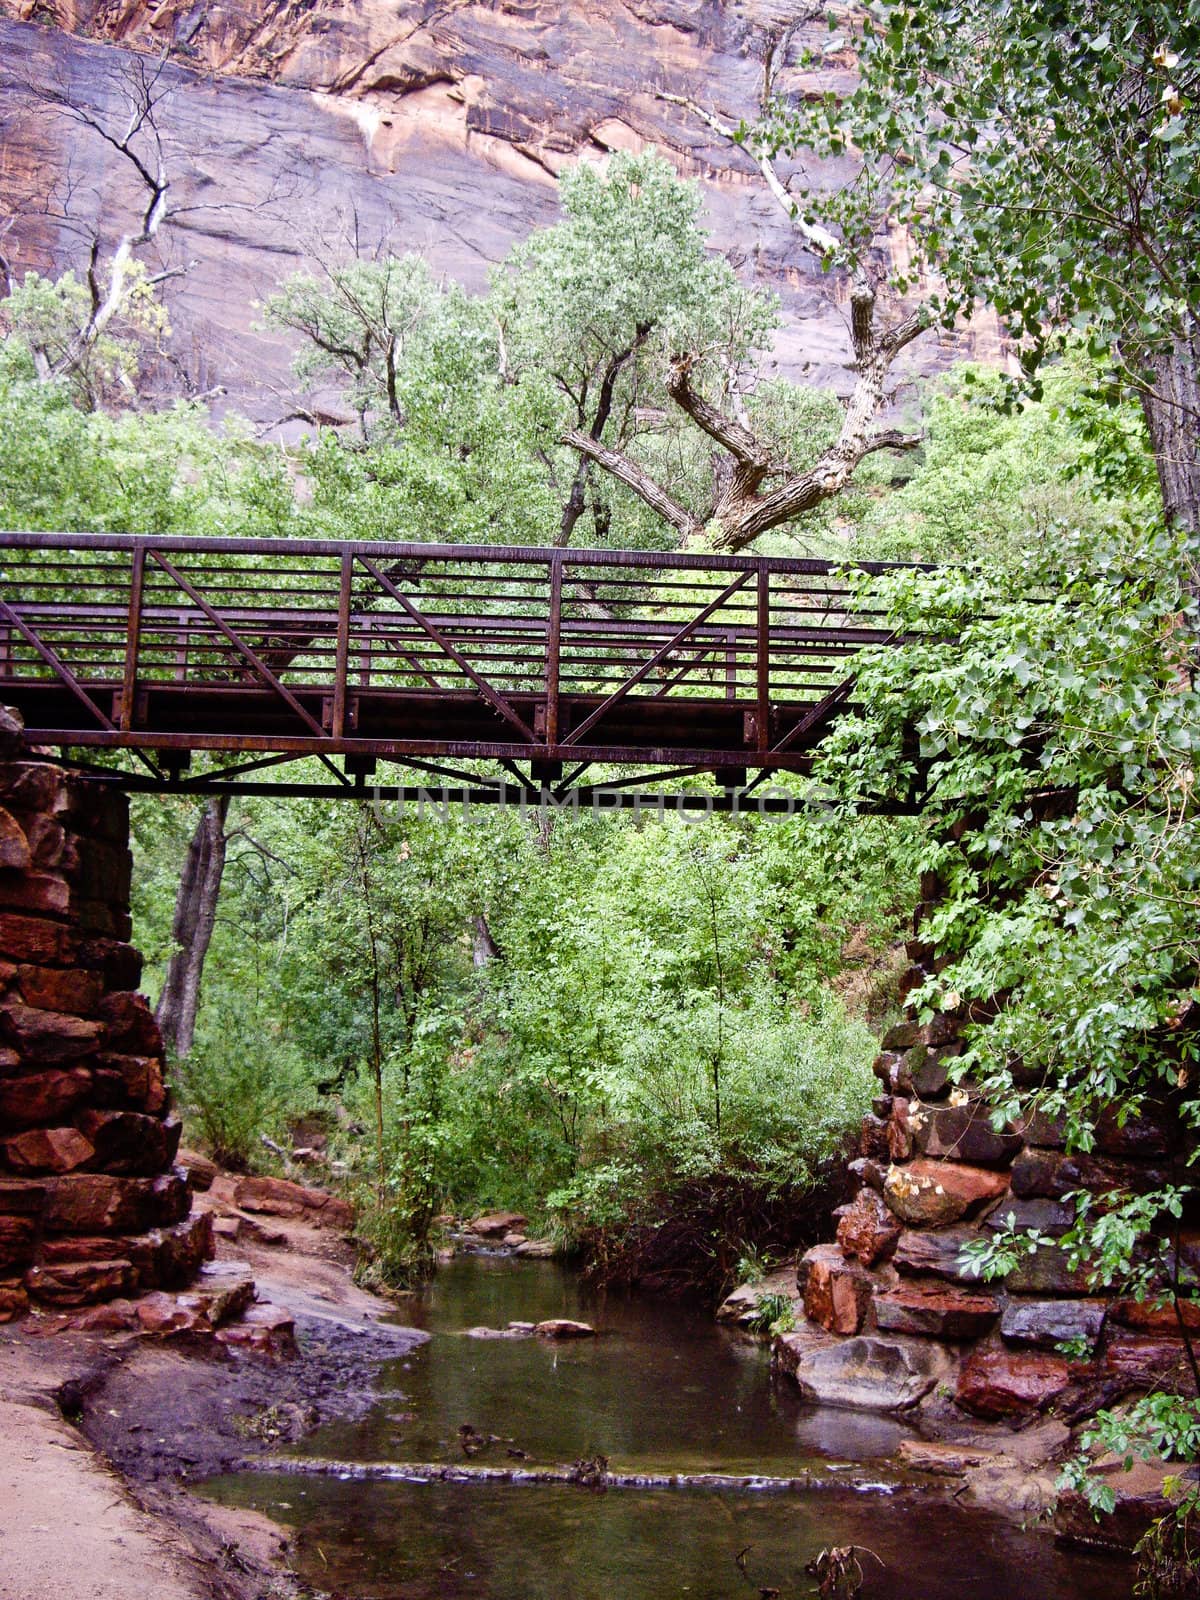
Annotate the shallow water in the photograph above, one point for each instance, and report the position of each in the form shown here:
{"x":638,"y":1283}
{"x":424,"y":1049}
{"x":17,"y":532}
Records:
{"x":662,"y":1389}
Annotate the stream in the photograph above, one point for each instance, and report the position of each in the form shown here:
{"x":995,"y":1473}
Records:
{"x":663,"y":1390}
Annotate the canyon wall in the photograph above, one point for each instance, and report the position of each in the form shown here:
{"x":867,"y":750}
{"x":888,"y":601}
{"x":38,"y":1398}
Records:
{"x":292,"y":127}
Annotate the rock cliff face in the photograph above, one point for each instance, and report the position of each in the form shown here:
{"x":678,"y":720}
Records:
{"x":292,"y":125}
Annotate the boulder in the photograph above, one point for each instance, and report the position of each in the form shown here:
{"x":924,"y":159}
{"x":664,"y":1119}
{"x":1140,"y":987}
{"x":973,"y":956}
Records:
{"x":837,"y":1292}
{"x":119,"y":963}
{"x":1156,"y":1316}
{"x":869,"y":1172}
{"x":1144,"y":1359}
{"x":862,"y":1374}
{"x":495,"y":1224}
{"x":564,"y":1328}
{"x":1048,"y":1323}
{"x":928,"y":1193}
{"x":37,"y":940}
{"x":902,"y":1036}
{"x":873,"y":1139}
{"x":1141,"y":1499}
{"x":537,"y":1249}
{"x":931,"y":1074}
{"x":47,"y":1150}
{"x":42,"y":893}
{"x":867,"y":1229}
{"x":131,"y":1025}
{"x":134,"y":1082}
{"x":742,"y":1304}
{"x":997,"y":1383}
{"x":935,"y":1310}
{"x":899,"y":1134}
{"x":944,"y":1459}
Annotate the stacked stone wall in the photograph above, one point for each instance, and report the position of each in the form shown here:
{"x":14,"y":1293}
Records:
{"x":91,"y":1205}
{"x":936,"y":1176}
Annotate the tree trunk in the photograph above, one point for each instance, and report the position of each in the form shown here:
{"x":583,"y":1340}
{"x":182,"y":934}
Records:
{"x":191,"y":930}
{"x":484,"y":949}
{"x":1172,"y":412}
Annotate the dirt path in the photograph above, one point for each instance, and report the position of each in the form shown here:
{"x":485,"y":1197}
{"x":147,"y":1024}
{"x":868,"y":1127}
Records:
{"x":100,"y":1434}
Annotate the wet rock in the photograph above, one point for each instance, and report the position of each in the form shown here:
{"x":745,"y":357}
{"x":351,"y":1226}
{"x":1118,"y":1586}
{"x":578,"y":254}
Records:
{"x":997,"y":1383}
{"x":537,"y":1249}
{"x":837,"y":1292}
{"x":1051,"y":1174}
{"x":1047,"y":1323}
{"x":564,"y":1328}
{"x":1143,"y":1360}
{"x":899,"y":1134}
{"x":935,"y":1311}
{"x":1141,"y":1499}
{"x":1156,"y":1316}
{"x":742,"y":1304}
{"x":1048,"y":1271}
{"x":868,"y":1230}
{"x":1051,"y":1217}
{"x":1152,"y":1134}
{"x":512,"y":1241}
{"x":947,"y":1460}
{"x":937,"y":1251}
{"x":931,"y":1074}
{"x":47,"y":1150}
{"x":928,"y":1193}
{"x":962,"y":1133}
{"x":495,"y":1224}
{"x":863,"y":1374}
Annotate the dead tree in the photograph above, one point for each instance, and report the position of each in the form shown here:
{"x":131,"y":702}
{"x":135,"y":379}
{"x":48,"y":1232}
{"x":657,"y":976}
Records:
{"x":755,"y":489}
{"x":192,"y":927}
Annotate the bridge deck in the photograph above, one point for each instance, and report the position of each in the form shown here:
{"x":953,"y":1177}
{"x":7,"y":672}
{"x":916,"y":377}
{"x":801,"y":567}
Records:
{"x":418,"y":653}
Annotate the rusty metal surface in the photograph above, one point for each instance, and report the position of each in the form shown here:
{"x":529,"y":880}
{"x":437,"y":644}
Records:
{"x":278,"y":649}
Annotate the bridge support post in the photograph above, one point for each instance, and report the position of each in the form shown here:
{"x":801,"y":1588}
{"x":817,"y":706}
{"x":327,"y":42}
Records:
{"x":91,"y":1204}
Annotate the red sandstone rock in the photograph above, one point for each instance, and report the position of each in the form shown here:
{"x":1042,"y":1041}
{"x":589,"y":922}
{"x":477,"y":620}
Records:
{"x":50,"y":846}
{"x":17,"y":1238}
{"x":47,"y":1150}
{"x":1051,"y":1174}
{"x":564,"y":1328}
{"x":935,"y":1310}
{"x":263,"y":1329}
{"x":200,"y":1170}
{"x":495,"y":1224}
{"x":36,"y":940}
{"x":928,"y":1193}
{"x":14,"y":1301}
{"x":937,"y":1251}
{"x":1156,"y":1316}
{"x":131,"y":1025}
{"x":118,"y":962}
{"x":1144,"y":1359}
{"x":1000,"y":1383}
{"x":60,"y":989}
{"x":49,"y":1036}
{"x":42,"y":1099}
{"x":963,"y":1133}
{"x":1048,"y":1271}
{"x":867,"y":1229}
{"x":902,"y":1036}
{"x":41,"y":893}
{"x":898,"y":1133}
{"x":118,"y":1316}
{"x":278,"y":1197}
{"x":97,"y":1203}
{"x":837,"y":1293}
{"x":75,"y":1283}
{"x":128,"y":1142}
{"x":873,"y":1139}
{"x":128,"y":1081}
{"x":14,"y":846}
{"x":32,"y":786}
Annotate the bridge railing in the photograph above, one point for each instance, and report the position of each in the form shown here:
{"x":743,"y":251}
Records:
{"x":123,"y":640}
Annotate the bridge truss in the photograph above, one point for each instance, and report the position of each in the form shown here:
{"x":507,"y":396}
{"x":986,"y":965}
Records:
{"x":556,"y":664}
